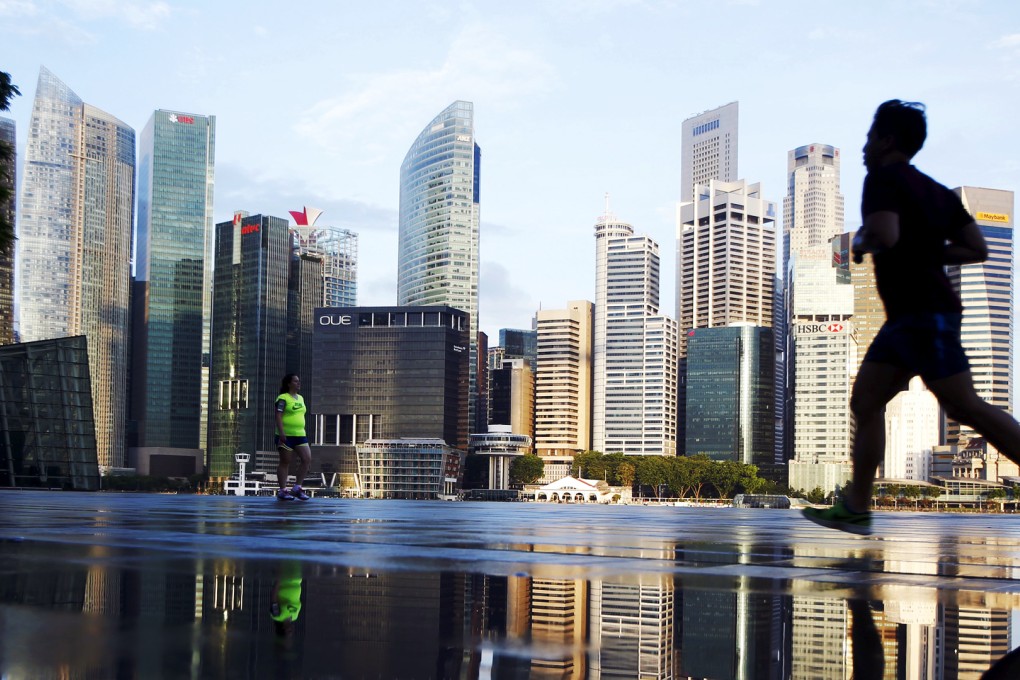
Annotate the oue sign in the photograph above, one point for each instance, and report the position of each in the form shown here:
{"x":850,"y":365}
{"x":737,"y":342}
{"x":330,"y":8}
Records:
{"x":335,"y":320}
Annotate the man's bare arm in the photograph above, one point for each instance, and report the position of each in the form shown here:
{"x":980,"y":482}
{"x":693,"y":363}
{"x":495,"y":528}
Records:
{"x":970,"y":247}
{"x":880,"y":232}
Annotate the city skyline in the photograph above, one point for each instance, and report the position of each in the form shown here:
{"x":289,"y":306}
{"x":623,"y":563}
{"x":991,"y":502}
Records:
{"x":336,"y":135}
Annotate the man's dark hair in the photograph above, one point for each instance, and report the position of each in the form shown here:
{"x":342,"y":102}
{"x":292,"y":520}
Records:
{"x":905,"y":121}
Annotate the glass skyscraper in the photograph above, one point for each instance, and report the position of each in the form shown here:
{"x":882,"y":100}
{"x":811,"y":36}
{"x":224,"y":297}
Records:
{"x":74,"y":247}
{"x":8,"y":175}
{"x":338,"y":249}
{"x":173,"y":283}
{"x":439,"y":218}
{"x":730,"y":394}
{"x":249,"y":333}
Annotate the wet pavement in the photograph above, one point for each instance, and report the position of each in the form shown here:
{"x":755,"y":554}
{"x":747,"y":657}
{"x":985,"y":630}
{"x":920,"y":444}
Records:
{"x":149,"y":586}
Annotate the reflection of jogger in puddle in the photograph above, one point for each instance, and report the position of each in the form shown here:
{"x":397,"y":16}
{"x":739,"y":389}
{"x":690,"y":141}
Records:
{"x":285,"y":600}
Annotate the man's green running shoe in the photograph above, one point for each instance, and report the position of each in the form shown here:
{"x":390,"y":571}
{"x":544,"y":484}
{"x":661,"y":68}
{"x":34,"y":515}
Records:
{"x":842,"y":518}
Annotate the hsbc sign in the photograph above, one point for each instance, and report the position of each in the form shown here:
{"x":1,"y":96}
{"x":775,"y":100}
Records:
{"x":833,"y":327}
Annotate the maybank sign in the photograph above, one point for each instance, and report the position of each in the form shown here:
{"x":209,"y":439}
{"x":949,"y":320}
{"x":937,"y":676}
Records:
{"x":998,"y":218}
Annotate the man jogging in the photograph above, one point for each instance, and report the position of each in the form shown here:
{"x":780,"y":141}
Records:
{"x":913,"y":227}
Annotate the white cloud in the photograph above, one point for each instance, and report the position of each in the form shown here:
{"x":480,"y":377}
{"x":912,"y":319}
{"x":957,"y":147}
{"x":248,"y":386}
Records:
{"x":145,"y":16}
{"x":17,"y":9}
{"x":1006,"y":42}
{"x":383,"y":109}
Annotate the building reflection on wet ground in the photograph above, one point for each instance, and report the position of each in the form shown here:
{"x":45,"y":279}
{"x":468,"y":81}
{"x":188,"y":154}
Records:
{"x":140,"y":586}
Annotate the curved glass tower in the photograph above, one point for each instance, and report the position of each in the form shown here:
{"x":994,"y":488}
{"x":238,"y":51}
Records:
{"x":439,"y":216}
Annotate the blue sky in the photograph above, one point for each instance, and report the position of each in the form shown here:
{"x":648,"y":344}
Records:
{"x":317,"y":103}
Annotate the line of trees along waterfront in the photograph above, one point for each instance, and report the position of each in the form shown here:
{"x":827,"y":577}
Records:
{"x":694,"y":477}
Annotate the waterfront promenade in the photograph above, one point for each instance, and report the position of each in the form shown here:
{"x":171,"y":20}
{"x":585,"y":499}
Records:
{"x":143,"y":585}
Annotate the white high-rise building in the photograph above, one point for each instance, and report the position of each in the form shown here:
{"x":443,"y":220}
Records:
{"x":709,"y":149}
{"x":634,"y":379}
{"x":74,"y":244}
{"x":912,"y":422}
{"x":823,"y":354}
{"x":986,"y":290}
{"x":813,"y":205}
{"x":563,"y":393}
{"x":813,"y":215}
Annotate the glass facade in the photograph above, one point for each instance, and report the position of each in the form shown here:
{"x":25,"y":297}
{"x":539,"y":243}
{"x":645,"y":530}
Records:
{"x":47,"y":434}
{"x":338,"y":249}
{"x":390,"y":372}
{"x":439,"y":219}
{"x":249,"y":331}
{"x":8,"y":176}
{"x":986,"y":289}
{"x":172,"y":280}
{"x":519,"y":344}
{"x":405,"y":468}
{"x":74,"y":249}
{"x":730,"y":394}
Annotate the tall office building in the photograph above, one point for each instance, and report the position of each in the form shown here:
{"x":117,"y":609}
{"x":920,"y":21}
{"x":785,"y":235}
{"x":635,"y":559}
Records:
{"x":74,"y":247}
{"x":709,"y":149}
{"x":249,"y":331}
{"x":518,"y":343}
{"x":823,"y":356}
{"x":172,"y":301}
{"x":726,"y":264}
{"x":813,"y":205}
{"x":421,"y":393}
{"x":563,"y":386}
{"x":730,"y":392}
{"x":338,"y":249}
{"x":8,"y":181}
{"x":439,"y":218}
{"x":512,"y":396}
{"x":986,"y":290}
{"x":607,"y":228}
{"x":912,"y":421}
{"x":813,"y":214}
{"x":635,"y":347}
{"x":726,"y":257}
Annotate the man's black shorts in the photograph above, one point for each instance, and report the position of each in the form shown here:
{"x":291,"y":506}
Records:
{"x":926,"y":344}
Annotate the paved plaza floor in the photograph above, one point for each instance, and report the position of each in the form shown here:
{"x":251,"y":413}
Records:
{"x":145,"y":585}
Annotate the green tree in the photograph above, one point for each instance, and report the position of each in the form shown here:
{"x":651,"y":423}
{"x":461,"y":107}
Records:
{"x":912,"y":492}
{"x":816,"y":495}
{"x":933,"y":492}
{"x":725,"y":476}
{"x":653,"y":471}
{"x":526,"y":469}
{"x":998,"y":495}
{"x":588,"y":465}
{"x":893,"y":491}
{"x":626,"y":473}
{"x":8,"y":90}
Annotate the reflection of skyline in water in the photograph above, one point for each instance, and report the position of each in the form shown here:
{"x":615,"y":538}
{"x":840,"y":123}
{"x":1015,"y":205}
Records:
{"x":387,"y":593}
{"x":211,"y":619}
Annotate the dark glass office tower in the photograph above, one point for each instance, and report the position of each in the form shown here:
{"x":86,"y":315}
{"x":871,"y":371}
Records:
{"x":390,"y":372}
{"x":249,"y":336}
{"x":730,"y":394}
{"x":8,"y":180}
{"x":172,"y":289}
